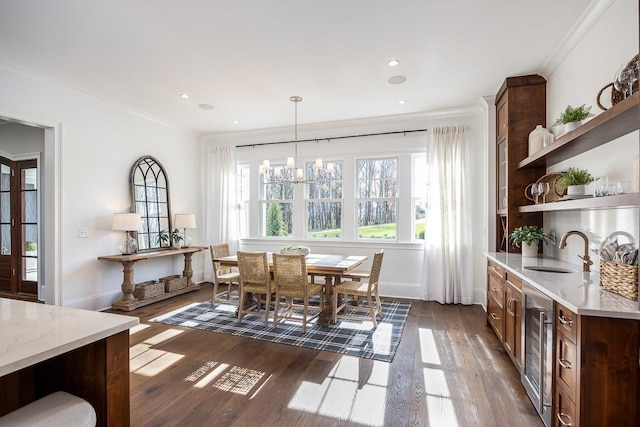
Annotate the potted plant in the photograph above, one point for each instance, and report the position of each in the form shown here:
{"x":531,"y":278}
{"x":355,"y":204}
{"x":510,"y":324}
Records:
{"x":574,"y":180}
{"x":170,"y":237}
{"x":571,"y":118}
{"x":529,"y":237}
{"x":295,"y":250}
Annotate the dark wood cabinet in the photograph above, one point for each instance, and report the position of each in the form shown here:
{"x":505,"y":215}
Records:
{"x":513,"y":319}
{"x":597,"y":373}
{"x":520,"y":106}
{"x":504,"y":309}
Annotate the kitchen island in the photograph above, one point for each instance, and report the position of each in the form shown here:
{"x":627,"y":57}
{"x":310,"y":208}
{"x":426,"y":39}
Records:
{"x":45,"y":348}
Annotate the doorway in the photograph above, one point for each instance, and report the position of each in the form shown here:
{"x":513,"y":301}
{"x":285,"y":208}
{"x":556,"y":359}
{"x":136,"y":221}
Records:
{"x":19,"y":225}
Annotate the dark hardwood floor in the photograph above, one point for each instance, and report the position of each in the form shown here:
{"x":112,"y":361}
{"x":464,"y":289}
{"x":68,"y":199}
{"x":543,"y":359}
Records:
{"x":449,"y":370}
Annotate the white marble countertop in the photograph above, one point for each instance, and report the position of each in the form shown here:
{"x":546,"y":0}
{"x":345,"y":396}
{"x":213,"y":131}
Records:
{"x":32,"y":332}
{"x":580,"y":292}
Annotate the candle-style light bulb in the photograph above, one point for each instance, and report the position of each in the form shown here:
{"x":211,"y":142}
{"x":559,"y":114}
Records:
{"x":330,"y":168}
{"x":291,"y":163}
{"x":318,"y":163}
{"x":266,"y":164}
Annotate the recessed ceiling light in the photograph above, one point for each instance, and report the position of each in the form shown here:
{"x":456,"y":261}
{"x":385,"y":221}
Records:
{"x":402,"y":101}
{"x":206,"y":106}
{"x":235,"y":122}
{"x":393,"y":62}
{"x":184,"y":95}
{"x":396,"y":80}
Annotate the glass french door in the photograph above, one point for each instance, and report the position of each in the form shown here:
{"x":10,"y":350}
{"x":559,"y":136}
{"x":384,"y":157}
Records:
{"x":19,"y":227}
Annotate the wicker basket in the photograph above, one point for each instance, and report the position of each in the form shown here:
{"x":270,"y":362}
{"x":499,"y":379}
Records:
{"x":173,"y":283}
{"x":621,"y":279}
{"x":150,"y":289}
{"x":616,"y":95}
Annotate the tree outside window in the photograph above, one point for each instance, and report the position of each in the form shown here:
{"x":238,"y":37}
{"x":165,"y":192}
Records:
{"x":324,"y":203}
{"x":278,"y":203}
{"x":377,"y":201}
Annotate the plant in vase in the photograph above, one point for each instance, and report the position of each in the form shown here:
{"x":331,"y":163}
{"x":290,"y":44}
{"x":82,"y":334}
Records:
{"x":574,"y":180}
{"x":295,"y":250}
{"x":570,"y":119}
{"x":529,"y":237}
{"x":170,"y":237}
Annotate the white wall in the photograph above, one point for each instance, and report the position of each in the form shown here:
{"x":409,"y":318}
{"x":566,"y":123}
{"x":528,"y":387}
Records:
{"x":93,"y":146}
{"x":402,"y":272}
{"x":612,"y":41}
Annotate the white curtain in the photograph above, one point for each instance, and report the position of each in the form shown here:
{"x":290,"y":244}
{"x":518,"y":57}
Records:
{"x":220,"y":207}
{"x":448,"y":255}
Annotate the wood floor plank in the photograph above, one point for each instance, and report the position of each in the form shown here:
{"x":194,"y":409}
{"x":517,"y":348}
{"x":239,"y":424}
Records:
{"x":449,"y":369}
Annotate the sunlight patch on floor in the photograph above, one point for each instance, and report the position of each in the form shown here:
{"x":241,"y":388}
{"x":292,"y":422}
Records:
{"x":147,"y":361}
{"x":139,"y":327}
{"x":349,"y":392}
{"x":439,"y":403}
{"x":428,"y":348}
{"x":232,"y":379}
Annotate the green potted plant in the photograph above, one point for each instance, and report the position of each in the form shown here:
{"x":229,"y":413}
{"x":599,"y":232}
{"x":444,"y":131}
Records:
{"x":295,"y":250}
{"x":574,"y":180}
{"x":571,"y":118}
{"x":529,"y":237}
{"x":170,"y":237}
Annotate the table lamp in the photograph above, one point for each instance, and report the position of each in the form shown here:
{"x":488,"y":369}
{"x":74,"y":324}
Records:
{"x":127,"y":222}
{"x":185,"y":221}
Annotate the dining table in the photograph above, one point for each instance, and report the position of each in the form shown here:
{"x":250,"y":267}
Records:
{"x":331,"y":266}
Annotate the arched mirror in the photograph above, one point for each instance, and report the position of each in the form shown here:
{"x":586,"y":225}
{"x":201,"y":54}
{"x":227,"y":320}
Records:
{"x":150,"y":199}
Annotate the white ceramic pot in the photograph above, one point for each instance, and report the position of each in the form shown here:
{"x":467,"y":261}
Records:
{"x":568,"y":127}
{"x":530,"y":250}
{"x":575,"y":190}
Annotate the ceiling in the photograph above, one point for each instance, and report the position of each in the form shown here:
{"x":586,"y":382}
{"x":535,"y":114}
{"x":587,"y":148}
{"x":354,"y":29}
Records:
{"x":245,"y":58}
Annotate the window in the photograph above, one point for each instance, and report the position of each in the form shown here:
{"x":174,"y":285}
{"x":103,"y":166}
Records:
{"x":324,"y":204}
{"x":377,"y":198}
{"x":419,"y":195}
{"x":277,"y":203}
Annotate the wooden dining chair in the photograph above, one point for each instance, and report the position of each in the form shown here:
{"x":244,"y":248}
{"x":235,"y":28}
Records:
{"x":292,"y":281}
{"x":363,"y":289}
{"x":223,"y":274}
{"x":255,"y":278}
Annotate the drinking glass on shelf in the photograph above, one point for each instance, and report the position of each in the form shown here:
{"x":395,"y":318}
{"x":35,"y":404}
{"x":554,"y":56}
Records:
{"x":535,"y":192}
{"x":543,"y":190}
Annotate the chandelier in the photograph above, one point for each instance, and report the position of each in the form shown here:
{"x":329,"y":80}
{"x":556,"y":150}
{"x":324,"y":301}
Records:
{"x":275,"y":176}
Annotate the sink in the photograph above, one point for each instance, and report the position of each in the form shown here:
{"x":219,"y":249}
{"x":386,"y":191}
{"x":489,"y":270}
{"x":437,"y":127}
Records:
{"x":549,"y":269}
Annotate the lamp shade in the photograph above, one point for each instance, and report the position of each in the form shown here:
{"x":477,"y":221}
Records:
{"x":184,"y":221}
{"x":126,"y":222}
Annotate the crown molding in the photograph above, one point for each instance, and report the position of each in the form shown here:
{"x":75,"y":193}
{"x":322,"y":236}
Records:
{"x":576,"y":33}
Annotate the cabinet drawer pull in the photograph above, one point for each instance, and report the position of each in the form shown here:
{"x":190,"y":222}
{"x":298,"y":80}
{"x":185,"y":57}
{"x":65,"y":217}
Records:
{"x":565,"y":320}
{"x":564,"y":363}
{"x":494,"y":317}
{"x":562,"y":417}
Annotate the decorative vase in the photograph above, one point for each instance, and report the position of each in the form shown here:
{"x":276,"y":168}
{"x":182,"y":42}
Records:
{"x":575,"y":190}
{"x":530,"y":250}
{"x":539,"y":138}
{"x":568,"y":127}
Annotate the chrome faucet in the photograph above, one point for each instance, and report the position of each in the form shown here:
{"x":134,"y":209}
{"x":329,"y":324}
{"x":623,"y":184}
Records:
{"x":586,"y":260}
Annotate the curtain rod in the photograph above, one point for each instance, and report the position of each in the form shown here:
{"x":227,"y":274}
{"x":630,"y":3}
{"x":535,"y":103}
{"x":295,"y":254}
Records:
{"x":404,"y":132}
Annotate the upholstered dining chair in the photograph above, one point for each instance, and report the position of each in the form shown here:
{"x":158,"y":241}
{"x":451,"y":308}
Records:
{"x":291,"y":281}
{"x":255,"y":278}
{"x":363,"y":289}
{"x":223,"y":274}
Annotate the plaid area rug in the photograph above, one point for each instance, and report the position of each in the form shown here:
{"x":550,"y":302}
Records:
{"x":352,"y":337}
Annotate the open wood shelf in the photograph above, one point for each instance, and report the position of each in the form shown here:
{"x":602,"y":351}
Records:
{"x":607,"y":202}
{"x":617,"y":121}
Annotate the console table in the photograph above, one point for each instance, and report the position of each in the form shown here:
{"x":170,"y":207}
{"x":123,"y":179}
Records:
{"x":128,"y":302}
